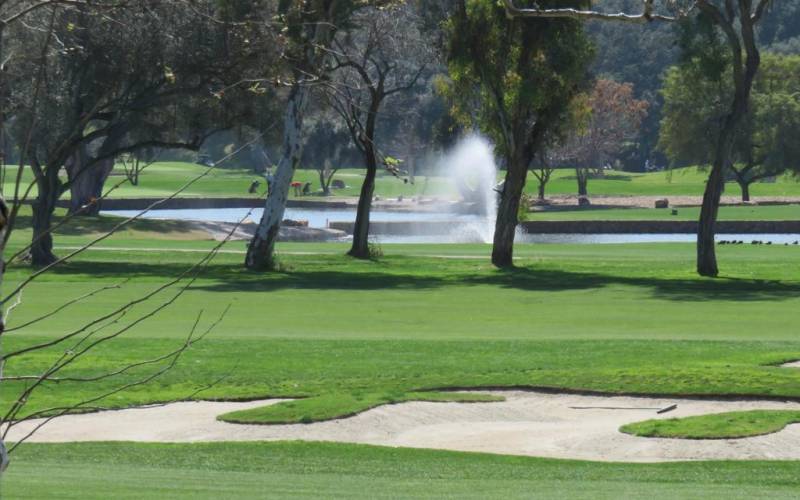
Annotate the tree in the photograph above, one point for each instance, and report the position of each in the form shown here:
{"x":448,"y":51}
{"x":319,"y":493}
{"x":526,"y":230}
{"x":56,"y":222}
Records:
{"x":22,"y":372}
{"x":694,"y":106}
{"x":514,"y":79}
{"x":736,"y":21}
{"x":604,"y":121}
{"x":373,"y":63}
{"x":542,"y":169}
{"x":111,"y":88}
{"x":328,"y":151}
{"x":307,"y":28}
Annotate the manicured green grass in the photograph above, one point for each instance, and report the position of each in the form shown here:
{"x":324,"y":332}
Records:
{"x":425,"y":317}
{"x":678,"y":182}
{"x":315,"y":470}
{"x":347,"y":335}
{"x":616,"y":319}
{"x":331,"y":406}
{"x":730,"y":425}
{"x":164,"y":178}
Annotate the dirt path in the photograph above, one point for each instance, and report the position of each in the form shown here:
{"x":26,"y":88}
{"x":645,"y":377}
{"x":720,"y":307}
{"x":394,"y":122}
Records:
{"x":527,"y":423}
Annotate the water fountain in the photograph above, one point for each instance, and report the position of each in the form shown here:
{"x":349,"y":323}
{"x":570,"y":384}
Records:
{"x":471,"y":168}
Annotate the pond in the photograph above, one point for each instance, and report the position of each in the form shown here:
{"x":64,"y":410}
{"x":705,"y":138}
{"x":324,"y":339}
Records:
{"x":464,"y":228}
{"x":316,"y":218}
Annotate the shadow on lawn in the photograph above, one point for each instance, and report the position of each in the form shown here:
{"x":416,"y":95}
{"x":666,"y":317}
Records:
{"x":81,"y":226}
{"x":232,"y":278}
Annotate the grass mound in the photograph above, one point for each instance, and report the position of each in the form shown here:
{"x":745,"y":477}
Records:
{"x":332,"y":406}
{"x":732,"y":425}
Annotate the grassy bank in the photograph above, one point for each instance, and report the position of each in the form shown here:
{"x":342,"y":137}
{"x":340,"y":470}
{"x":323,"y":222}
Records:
{"x":732,"y":425}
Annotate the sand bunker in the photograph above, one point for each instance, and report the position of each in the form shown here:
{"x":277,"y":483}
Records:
{"x":793,"y":364}
{"x":527,"y":423}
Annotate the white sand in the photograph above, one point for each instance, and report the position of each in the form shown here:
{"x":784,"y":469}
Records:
{"x":793,"y":364}
{"x":527,"y":423}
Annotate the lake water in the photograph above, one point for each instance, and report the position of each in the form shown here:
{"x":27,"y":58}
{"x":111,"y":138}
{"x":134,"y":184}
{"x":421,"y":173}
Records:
{"x":466,"y":228}
{"x":315,"y":218}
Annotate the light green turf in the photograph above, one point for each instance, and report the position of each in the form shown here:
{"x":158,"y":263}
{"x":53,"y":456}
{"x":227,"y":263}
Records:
{"x":615,"y":319}
{"x":164,"y":178}
{"x":730,"y":425}
{"x":678,"y":182}
{"x":315,"y":470}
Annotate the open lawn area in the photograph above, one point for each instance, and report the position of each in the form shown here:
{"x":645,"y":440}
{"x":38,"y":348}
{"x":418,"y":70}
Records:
{"x":617,"y":318}
{"x":309,"y":470}
{"x":346,"y":336}
{"x":164,"y":178}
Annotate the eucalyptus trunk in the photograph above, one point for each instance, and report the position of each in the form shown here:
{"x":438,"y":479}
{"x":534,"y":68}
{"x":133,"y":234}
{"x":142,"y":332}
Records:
{"x":260,"y":253}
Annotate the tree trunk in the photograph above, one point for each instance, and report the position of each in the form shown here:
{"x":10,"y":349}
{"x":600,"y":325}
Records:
{"x":258,"y":159}
{"x":4,"y":459}
{"x":542,"y":185}
{"x":508,"y":213}
{"x":324,"y":183}
{"x":706,"y":252}
{"x":134,"y":175}
{"x":360,"y":248}
{"x":260,"y":253}
{"x":744,"y":72}
{"x":745,"y":185}
{"x":49,"y":186}
{"x":583,"y":182}
{"x":86,"y":183}
{"x":706,"y":246}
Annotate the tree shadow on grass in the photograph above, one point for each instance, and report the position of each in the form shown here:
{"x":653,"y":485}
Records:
{"x":81,"y":226}
{"x":231,"y":278}
{"x":699,"y":289}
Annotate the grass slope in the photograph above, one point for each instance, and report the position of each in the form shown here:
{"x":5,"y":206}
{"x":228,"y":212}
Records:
{"x":314,"y":470}
{"x":731,"y":425}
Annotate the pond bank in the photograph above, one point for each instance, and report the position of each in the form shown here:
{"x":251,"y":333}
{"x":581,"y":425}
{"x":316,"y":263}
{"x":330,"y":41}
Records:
{"x":407,"y":228}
